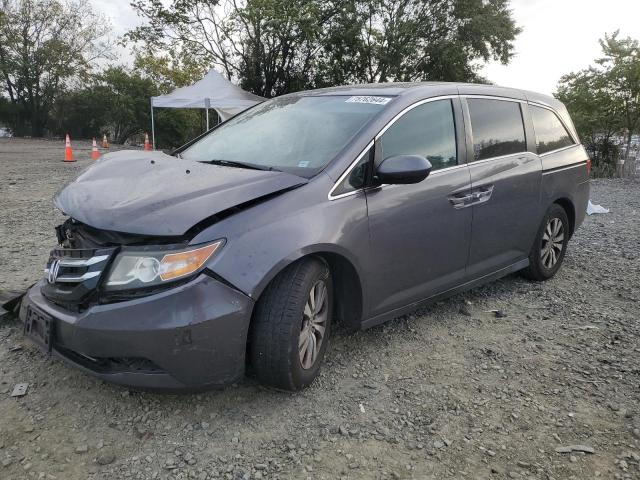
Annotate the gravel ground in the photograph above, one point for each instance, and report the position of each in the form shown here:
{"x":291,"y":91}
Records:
{"x":452,"y":391}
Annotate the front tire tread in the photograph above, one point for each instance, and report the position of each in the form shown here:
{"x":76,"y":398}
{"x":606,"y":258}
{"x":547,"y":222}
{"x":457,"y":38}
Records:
{"x":276,"y":327}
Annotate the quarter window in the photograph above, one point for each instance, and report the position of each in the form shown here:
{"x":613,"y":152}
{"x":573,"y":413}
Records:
{"x":497,"y":128}
{"x":356,"y":178}
{"x":427,"y":130}
{"x":550,"y":132}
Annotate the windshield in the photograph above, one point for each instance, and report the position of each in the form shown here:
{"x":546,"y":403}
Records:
{"x":296,"y":134}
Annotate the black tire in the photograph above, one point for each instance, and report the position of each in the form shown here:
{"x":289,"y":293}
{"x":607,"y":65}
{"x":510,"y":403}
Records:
{"x":278,"y":323}
{"x":539,"y":268}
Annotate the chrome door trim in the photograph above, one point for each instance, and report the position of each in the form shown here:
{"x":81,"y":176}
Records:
{"x":501,"y":157}
{"x":382,"y":131}
{"x":563,"y":168}
{"x":542,"y":155}
{"x":447,"y":169}
{"x":470,"y":127}
{"x":346,"y":173}
{"x":330,"y":195}
{"x":492,"y":97}
{"x":559,"y":117}
{"x":411,"y":107}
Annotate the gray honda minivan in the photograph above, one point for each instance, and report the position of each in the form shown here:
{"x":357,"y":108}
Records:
{"x":354,"y":204}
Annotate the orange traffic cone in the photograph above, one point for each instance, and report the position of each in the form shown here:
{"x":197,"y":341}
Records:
{"x":147,"y":145}
{"x":105,"y":143}
{"x":68,"y":154}
{"x":95,"y":154}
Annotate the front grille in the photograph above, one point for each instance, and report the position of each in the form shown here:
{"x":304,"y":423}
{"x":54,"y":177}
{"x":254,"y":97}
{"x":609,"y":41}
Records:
{"x":73,"y":275}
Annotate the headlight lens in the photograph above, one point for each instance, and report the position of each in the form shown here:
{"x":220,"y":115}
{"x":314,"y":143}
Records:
{"x":139,"y":269}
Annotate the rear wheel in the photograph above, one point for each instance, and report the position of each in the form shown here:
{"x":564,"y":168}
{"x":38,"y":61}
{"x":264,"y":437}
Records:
{"x":550,"y":245}
{"x":291,"y":326}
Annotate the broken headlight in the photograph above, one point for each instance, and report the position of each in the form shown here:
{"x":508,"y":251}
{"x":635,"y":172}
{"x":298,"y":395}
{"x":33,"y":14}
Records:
{"x":134,"y":268}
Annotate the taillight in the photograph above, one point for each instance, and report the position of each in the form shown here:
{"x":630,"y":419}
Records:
{"x":588,"y":166}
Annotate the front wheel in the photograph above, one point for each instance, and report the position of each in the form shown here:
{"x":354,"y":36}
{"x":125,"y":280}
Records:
{"x":291,"y":326}
{"x":550,"y":245}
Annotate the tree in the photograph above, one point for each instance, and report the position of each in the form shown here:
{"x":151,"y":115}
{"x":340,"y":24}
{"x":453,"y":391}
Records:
{"x":80,"y":113}
{"x":266,"y":44}
{"x":116,"y":102}
{"x":278,"y":46}
{"x":621,"y":69}
{"x":594,"y":115}
{"x":279,"y":43}
{"x":7,"y":111}
{"x":174,"y":127}
{"x":44,"y":44}
{"x":604,"y":100}
{"x":169,"y":70}
{"x":410,"y":40}
{"x":127,"y":97}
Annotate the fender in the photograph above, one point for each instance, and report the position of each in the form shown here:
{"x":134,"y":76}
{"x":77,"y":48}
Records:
{"x":318,"y":249}
{"x":264,"y":239}
{"x":565,"y":179}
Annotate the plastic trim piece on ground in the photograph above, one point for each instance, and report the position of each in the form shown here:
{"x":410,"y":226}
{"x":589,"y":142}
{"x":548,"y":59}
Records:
{"x":591,"y":209}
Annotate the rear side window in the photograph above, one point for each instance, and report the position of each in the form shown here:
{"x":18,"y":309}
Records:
{"x":497,"y":128}
{"x":427,"y":130}
{"x":550,"y":132}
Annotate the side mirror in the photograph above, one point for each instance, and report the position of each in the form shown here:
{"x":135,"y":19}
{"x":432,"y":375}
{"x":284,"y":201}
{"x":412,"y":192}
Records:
{"x":404,"y":169}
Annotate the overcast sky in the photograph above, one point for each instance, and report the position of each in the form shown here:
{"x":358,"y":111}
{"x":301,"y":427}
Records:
{"x":558,"y":36}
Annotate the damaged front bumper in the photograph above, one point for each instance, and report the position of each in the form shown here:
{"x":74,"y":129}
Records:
{"x":189,"y":337}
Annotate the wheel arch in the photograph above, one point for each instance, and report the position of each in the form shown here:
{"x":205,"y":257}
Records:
{"x":349,"y":294}
{"x":347,"y":287}
{"x":570,"y":210}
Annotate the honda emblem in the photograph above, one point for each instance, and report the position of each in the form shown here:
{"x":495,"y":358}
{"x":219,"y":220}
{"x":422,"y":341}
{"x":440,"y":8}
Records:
{"x":54,"y":268}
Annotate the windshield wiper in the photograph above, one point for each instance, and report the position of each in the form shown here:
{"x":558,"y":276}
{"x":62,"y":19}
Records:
{"x":233,"y":163}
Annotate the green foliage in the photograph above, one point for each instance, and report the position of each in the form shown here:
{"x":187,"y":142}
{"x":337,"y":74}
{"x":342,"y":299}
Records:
{"x":278,"y":41}
{"x":277,"y":46}
{"x":410,"y":40}
{"x":127,"y":96}
{"x":116,"y":102}
{"x":169,"y":70}
{"x":79,"y":113}
{"x":7,"y":112}
{"x":270,"y":47}
{"x":621,"y":69}
{"x":44,"y":44}
{"x":175,"y":127}
{"x":604,"y":100}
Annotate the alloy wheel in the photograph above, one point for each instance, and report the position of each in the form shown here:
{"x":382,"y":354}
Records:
{"x":552,"y":243}
{"x":314,"y":324}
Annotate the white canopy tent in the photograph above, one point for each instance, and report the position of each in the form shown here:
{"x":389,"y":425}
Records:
{"x":213,"y":91}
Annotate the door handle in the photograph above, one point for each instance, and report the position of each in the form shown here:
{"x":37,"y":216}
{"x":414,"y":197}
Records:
{"x":482,"y":194}
{"x":461,"y":200}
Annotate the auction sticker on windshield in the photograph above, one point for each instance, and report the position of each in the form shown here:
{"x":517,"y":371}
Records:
{"x":369,"y":99}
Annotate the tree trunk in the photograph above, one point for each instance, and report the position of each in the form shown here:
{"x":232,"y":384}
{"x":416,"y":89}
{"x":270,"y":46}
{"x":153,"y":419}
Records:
{"x":36,"y":123}
{"x":36,"y":131}
{"x":627,"y":154}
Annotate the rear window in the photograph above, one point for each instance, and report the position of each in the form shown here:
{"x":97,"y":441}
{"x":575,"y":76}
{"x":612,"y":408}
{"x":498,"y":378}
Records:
{"x":550,"y":132}
{"x":497,"y":128}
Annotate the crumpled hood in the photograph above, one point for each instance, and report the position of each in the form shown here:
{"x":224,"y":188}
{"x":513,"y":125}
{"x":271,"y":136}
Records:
{"x":151,"y":193}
